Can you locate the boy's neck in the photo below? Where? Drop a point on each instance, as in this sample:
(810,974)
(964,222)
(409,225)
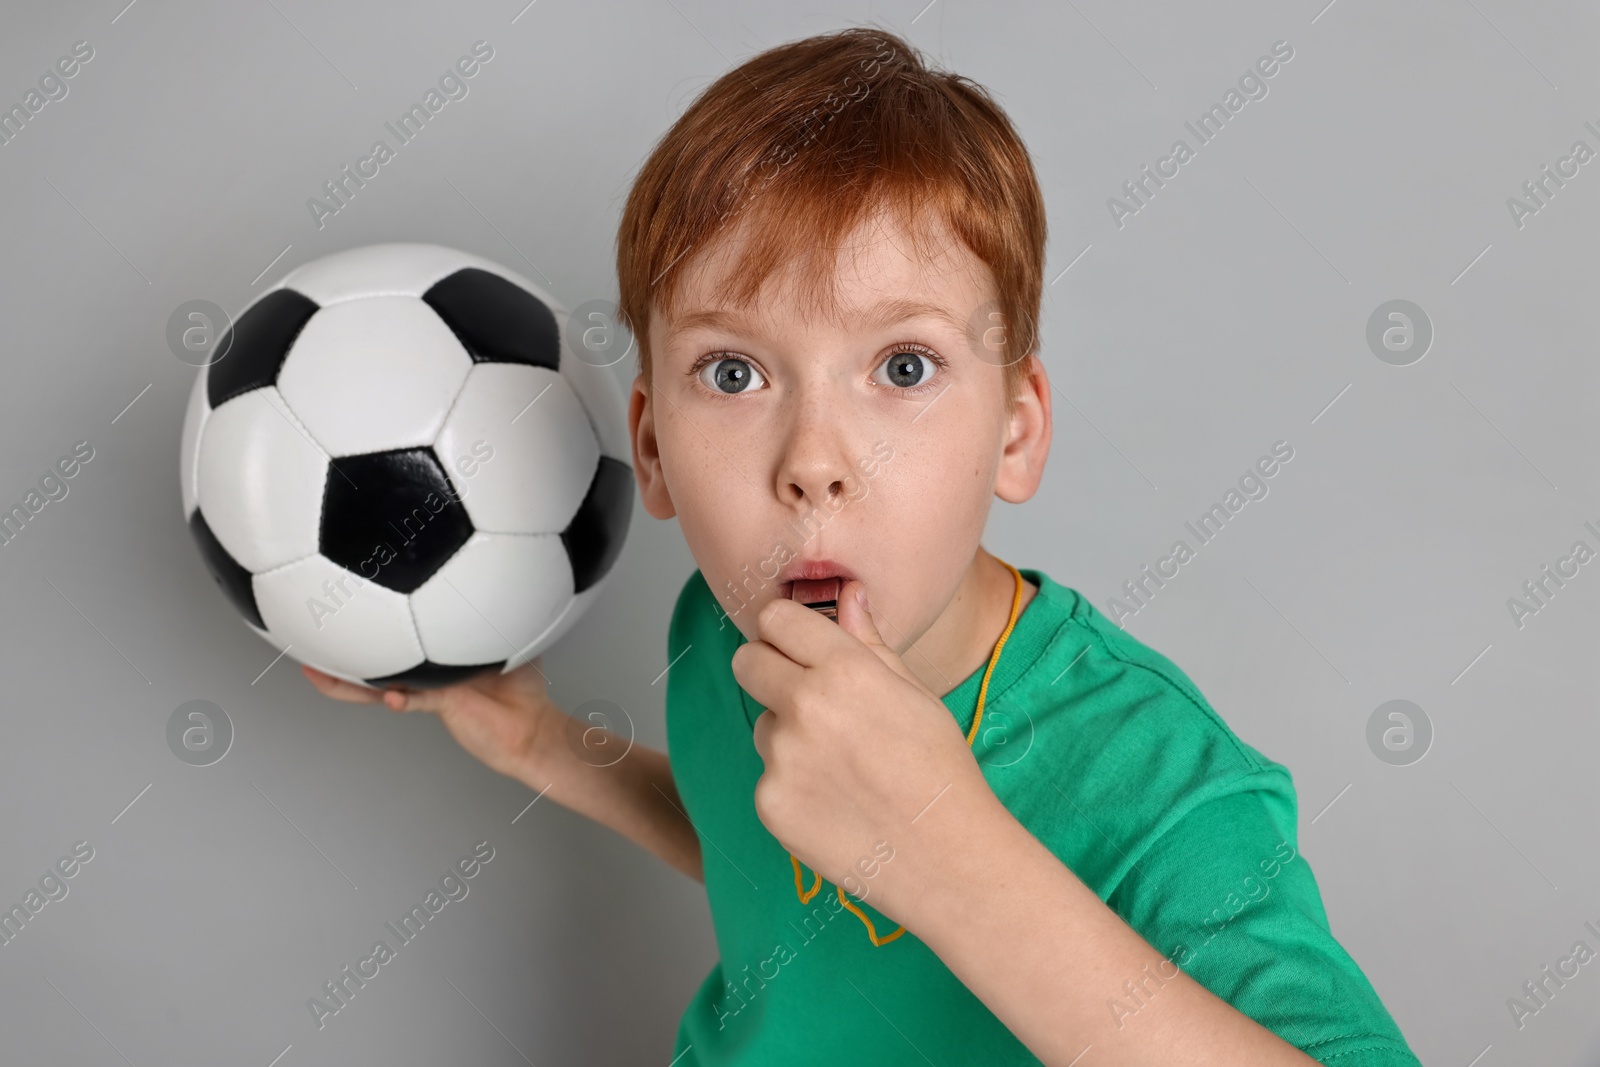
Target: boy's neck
(962,639)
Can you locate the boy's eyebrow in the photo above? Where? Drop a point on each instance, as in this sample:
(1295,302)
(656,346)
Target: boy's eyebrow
(883,314)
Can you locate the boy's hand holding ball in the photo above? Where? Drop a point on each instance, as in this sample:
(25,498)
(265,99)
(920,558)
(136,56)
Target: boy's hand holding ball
(506,720)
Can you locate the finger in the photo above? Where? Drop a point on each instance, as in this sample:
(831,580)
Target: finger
(759,733)
(799,632)
(764,672)
(339,689)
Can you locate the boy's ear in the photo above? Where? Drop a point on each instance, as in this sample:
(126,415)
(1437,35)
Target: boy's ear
(647,453)
(1027,437)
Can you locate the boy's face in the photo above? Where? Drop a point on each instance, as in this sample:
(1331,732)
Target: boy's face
(800,438)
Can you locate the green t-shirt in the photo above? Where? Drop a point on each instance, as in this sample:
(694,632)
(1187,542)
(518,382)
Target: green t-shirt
(1110,756)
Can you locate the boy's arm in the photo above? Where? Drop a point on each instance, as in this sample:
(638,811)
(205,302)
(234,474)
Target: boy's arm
(1047,956)
(509,723)
(634,796)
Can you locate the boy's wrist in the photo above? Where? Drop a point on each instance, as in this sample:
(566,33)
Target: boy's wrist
(634,796)
(554,765)
(548,758)
(950,869)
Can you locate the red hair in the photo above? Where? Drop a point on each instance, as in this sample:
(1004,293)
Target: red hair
(810,139)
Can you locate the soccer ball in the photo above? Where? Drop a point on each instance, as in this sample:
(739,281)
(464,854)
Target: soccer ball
(397,471)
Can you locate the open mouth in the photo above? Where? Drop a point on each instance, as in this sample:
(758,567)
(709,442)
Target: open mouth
(816,583)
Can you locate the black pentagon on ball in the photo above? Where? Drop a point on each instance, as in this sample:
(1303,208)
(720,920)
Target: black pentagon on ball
(392,517)
(431,675)
(230,575)
(594,536)
(496,320)
(254,348)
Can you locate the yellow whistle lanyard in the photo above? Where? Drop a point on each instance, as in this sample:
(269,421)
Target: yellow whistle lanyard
(805,895)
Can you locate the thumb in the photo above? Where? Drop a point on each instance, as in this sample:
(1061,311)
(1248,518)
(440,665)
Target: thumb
(402,698)
(855,617)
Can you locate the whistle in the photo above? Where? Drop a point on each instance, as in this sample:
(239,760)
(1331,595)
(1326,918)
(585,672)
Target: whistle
(821,596)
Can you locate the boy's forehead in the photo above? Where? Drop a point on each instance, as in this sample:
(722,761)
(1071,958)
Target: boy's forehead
(857,314)
(878,277)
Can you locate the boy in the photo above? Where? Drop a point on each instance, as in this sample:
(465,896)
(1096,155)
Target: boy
(1049,845)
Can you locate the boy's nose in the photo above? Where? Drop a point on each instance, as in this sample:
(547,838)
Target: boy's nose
(812,474)
(815,460)
(798,492)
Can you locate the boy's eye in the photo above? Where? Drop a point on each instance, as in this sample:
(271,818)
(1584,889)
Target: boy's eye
(730,375)
(908,367)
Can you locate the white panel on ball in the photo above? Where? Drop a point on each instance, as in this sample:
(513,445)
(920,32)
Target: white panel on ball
(260,480)
(374,375)
(278,646)
(575,610)
(497,593)
(194,420)
(543,462)
(330,615)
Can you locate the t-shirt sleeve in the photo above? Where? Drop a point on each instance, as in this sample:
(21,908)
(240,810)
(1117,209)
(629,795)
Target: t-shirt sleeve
(1224,894)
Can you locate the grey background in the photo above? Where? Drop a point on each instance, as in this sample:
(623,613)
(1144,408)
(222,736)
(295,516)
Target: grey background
(1227,314)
